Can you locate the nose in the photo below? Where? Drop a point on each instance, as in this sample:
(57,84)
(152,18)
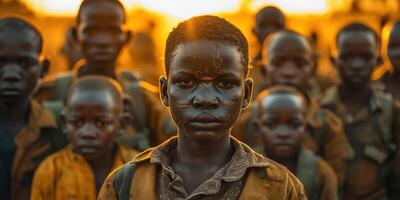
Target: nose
(89,131)
(289,70)
(357,64)
(11,72)
(205,97)
(103,39)
(282,133)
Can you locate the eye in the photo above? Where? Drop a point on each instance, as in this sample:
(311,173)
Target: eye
(103,123)
(296,124)
(75,122)
(185,83)
(27,63)
(269,124)
(225,84)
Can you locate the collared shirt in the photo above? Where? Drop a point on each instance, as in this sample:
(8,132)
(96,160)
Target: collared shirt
(247,175)
(226,183)
(67,175)
(32,145)
(367,169)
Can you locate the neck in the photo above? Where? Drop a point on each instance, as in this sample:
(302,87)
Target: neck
(212,154)
(104,69)
(347,94)
(10,114)
(104,162)
(289,162)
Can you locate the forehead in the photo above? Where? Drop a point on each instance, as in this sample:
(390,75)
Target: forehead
(84,98)
(13,42)
(190,56)
(282,43)
(351,39)
(270,16)
(102,12)
(275,102)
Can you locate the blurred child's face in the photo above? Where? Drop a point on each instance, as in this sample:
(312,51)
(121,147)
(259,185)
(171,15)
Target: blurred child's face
(206,89)
(289,61)
(393,49)
(100,32)
(282,124)
(268,22)
(20,68)
(92,120)
(357,58)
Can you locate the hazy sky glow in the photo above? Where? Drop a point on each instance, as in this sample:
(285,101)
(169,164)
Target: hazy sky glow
(185,8)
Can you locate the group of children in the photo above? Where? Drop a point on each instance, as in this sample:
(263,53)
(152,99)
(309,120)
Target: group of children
(71,137)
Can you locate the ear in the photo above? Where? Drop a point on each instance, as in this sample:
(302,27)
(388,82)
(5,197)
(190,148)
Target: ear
(74,33)
(129,35)
(264,70)
(44,68)
(333,61)
(379,61)
(164,91)
(253,30)
(63,119)
(248,90)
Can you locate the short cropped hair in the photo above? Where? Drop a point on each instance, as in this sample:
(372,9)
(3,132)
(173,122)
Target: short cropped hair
(358,27)
(96,83)
(18,24)
(86,3)
(282,90)
(206,27)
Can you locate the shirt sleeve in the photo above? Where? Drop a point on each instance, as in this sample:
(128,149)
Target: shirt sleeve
(107,191)
(328,181)
(43,187)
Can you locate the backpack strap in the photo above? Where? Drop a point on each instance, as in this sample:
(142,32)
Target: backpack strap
(306,172)
(123,180)
(61,85)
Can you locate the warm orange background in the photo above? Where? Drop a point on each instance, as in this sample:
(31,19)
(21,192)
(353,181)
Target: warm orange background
(322,17)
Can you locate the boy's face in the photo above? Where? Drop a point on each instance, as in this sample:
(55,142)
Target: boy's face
(20,68)
(101,33)
(206,89)
(92,120)
(282,124)
(393,49)
(289,61)
(357,57)
(268,22)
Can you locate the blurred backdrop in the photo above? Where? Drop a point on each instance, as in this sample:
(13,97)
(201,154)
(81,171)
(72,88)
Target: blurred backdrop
(153,19)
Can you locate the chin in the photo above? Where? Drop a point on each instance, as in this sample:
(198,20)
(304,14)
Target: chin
(205,137)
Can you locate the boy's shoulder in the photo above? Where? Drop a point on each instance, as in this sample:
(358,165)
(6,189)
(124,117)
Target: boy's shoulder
(54,161)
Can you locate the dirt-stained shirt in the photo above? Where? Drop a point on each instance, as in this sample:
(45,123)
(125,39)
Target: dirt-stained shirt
(247,175)
(32,144)
(371,134)
(67,175)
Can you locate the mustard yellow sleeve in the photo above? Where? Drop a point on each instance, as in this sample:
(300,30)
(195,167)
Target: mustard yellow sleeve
(44,180)
(295,188)
(328,186)
(107,191)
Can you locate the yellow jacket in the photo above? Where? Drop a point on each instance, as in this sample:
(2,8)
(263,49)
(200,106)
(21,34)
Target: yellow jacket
(67,175)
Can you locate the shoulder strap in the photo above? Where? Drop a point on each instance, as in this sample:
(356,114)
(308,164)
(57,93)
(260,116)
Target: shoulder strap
(319,133)
(123,180)
(61,86)
(306,172)
(386,119)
